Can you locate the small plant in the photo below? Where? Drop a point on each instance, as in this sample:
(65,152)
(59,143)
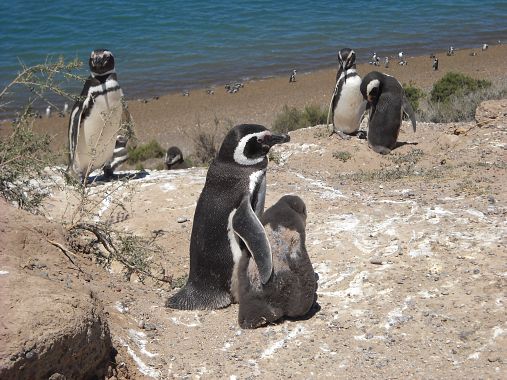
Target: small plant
(343,156)
(291,118)
(315,115)
(414,95)
(145,152)
(456,84)
(207,141)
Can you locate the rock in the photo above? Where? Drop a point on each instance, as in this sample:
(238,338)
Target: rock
(182,219)
(48,330)
(491,112)
(460,131)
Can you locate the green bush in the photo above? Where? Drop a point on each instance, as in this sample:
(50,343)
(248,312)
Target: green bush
(291,118)
(145,152)
(343,156)
(414,94)
(456,84)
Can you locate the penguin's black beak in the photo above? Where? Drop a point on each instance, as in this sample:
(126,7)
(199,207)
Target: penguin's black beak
(273,139)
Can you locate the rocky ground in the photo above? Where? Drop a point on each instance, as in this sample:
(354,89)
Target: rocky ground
(409,248)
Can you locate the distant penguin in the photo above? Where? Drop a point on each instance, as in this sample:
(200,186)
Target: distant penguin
(226,220)
(65,108)
(292,77)
(435,64)
(173,159)
(95,120)
(291,290)
(347,105)
(386,62)
(386,104)
(48,111)
(484,47)
(120,155)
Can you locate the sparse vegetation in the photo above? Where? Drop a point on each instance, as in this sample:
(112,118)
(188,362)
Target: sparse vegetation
(23,157)
(25,154)
(453,98)
(207,142)
(144,152)
(414,95)
(456,84)
(343,156)
(291,118)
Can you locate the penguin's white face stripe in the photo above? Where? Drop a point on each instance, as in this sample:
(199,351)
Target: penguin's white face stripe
(239,155)
(373,84)
(174,160)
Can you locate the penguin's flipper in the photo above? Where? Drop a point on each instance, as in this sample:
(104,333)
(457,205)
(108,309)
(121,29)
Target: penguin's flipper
(407,108)
(332,105)
(250,230)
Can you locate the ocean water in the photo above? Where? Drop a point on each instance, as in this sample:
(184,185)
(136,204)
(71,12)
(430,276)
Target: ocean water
(167,46)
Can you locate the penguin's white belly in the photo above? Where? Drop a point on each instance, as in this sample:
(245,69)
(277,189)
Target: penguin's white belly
(97,134)
(350,106)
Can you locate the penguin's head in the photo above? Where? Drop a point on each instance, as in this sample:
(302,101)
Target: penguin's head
(173,156)
(371,87)
(248,144)
(346,58)
(101,62)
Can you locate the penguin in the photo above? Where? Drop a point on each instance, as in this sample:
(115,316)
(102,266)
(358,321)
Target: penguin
(95,120)
(386,62)
(484,47)
(226,219)
(386,104)
(65,108)
(291,290)
(347,105)
(174,159)
(292,77)
(120,155)
(48,111)
(435,64)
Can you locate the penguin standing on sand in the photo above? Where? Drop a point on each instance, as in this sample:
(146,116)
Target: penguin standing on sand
(292,77)
(386,103)
(435,64)
(291,290)
(226,220)
(95,120)
(347,105)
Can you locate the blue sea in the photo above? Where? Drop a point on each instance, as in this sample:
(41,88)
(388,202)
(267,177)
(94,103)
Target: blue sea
(166,46)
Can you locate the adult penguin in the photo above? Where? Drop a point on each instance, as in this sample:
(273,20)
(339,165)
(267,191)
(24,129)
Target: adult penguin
(386,103)
(226,220)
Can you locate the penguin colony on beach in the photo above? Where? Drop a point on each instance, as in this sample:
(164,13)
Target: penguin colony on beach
(291,290)
(347,105)
(226,220)
(95,120)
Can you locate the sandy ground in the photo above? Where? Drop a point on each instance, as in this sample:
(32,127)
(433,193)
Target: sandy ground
(409,249)
(173,117)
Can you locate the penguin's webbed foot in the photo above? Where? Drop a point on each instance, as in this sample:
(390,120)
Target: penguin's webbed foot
(341,135)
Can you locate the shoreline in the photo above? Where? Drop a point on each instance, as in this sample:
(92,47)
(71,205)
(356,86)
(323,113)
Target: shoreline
(170,118)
